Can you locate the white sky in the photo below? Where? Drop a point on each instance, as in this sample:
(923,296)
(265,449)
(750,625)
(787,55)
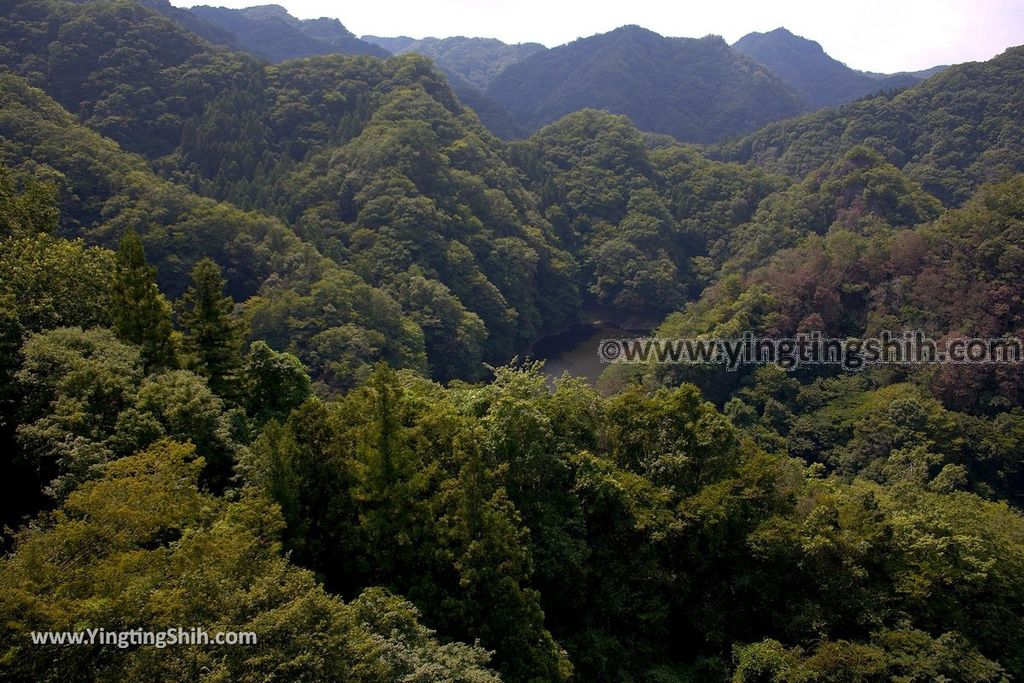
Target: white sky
(873,35)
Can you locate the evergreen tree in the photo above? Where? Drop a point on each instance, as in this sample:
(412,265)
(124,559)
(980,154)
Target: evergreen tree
(213,337)
(141,315)
(394,484)
(490,551)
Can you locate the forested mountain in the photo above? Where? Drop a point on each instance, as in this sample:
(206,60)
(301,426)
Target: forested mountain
(478,60)
(377,166)
(638,221)
(268,31)
(210,32)
(470,64)
(960,128)
(695,90)
(688,94)
(299,122)
(259,329)
(820,79)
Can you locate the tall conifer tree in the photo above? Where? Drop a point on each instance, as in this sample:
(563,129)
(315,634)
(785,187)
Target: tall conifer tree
(214,338)
(141,315)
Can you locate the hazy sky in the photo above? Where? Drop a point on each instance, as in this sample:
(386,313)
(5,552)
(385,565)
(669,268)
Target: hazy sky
(874,35)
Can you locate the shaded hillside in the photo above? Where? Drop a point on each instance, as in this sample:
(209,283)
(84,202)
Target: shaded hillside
(638,221)
(108,63)
(211,32)
(960,128)
(377,161)
(388,202)
(477,60)
(270,32)
(289,404)
(696,90)
(820,79)
(492,114)
(104,192)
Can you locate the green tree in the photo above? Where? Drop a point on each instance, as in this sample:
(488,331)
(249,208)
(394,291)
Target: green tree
(151,550)
(303,465)
(213,337)
(28,206)
(74,384)
(140,313)
(275,383)
(179,405)
(56,283)
(489,548)
(393,483)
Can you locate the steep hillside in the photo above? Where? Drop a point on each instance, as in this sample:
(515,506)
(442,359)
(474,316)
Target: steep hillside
(270,32)
(477,60)
(211,32)
(696,90)
(960,128)
(375,163)
(820,79)
(104,192)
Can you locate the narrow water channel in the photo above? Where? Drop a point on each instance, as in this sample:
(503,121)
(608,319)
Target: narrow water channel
(575,350)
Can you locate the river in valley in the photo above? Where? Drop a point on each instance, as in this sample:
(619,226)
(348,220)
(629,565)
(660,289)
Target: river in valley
(574,350)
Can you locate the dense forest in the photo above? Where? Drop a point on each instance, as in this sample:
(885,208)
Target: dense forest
(821,80)
(270,33)
(697,91)
(265,333)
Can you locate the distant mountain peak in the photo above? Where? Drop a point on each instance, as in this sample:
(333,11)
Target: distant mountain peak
(783,36)
(263,11)
(631,28)
(803,63)
(474,60)
(269,31)
(696,89)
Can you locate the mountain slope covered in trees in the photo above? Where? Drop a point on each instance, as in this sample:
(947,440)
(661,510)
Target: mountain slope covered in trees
(478,60)
(820,79)
(694,90)
(960,128)
(258,336)
(377,166)
(268,31)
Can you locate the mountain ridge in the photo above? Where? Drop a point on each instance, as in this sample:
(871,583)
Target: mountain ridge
(695,89)
(478,60)
(270,32)
(821,79)
(935,135)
